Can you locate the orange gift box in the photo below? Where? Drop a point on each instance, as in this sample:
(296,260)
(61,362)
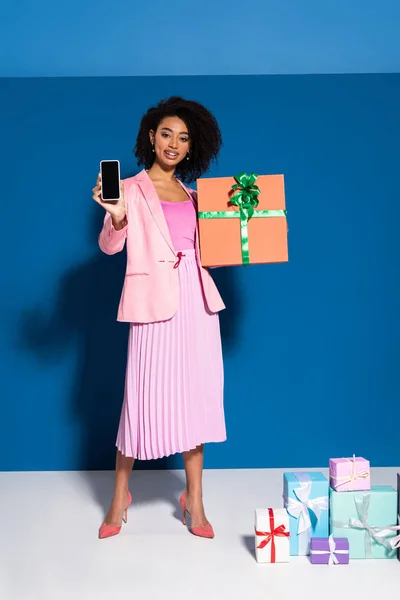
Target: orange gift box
(242,220)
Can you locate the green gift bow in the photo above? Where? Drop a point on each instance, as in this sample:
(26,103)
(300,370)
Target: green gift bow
(247,200)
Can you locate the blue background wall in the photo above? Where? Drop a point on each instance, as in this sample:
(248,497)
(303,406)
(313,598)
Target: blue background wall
(311,347)
(187,37)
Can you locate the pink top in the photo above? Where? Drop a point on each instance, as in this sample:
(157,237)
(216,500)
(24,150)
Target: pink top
(181,220)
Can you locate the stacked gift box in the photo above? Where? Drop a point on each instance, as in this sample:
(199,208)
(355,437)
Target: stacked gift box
(365,514)
(332,522)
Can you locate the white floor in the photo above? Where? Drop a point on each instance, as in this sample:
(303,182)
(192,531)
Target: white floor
(49,549)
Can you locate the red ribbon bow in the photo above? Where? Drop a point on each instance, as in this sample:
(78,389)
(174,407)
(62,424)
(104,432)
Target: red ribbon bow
(270,535)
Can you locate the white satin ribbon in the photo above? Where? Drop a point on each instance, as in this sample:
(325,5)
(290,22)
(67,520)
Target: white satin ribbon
(333,559)
(363,474)
(299,509)
(395,542)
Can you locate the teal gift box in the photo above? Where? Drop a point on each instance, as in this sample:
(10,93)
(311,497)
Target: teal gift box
(306,500)
(367,519)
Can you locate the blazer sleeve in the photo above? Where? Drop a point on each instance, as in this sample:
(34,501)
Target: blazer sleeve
(112,241)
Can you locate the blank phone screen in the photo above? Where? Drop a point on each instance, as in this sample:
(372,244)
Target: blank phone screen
(109,180)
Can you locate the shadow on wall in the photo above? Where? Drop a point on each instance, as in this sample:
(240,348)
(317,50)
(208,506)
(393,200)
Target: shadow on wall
(85,310)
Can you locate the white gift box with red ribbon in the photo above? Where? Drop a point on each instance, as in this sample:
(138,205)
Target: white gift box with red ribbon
(272,535)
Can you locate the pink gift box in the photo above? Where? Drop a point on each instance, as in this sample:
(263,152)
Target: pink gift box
(349,474)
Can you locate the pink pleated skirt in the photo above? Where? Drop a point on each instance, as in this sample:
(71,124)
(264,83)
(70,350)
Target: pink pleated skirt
(174,383)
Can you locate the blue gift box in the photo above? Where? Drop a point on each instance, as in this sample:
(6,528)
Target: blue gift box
(306,500)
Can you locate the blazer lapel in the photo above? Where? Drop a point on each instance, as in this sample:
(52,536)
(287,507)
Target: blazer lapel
(154,204)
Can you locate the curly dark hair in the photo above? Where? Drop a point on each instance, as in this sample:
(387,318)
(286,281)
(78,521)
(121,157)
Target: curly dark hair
(204,133)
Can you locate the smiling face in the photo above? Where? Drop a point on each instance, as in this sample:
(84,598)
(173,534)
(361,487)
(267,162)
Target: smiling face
(171,142)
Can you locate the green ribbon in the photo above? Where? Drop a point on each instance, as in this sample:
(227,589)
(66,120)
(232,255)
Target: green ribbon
(246,199)
(247,196)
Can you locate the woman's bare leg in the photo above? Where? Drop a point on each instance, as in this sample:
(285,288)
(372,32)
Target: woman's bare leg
(193,460)
(123,469)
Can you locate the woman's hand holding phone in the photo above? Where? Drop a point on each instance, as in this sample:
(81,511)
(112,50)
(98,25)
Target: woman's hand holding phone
(117,209)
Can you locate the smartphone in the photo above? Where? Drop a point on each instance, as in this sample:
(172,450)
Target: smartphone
(110,180)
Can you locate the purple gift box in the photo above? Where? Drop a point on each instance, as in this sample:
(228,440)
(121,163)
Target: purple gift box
(329,551)
(349,474)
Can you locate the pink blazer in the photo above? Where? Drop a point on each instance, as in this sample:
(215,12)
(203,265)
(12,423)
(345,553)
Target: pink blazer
(151,287)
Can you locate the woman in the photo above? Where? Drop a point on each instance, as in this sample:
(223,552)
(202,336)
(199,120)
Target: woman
(173,398)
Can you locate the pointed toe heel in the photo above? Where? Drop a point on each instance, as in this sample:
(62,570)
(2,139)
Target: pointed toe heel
(206,531)
(107,531)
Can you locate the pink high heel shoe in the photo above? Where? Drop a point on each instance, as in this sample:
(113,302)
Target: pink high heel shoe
(205,531)
(106,531)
